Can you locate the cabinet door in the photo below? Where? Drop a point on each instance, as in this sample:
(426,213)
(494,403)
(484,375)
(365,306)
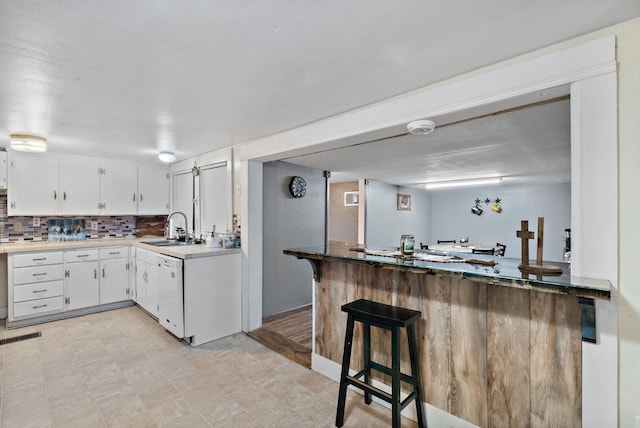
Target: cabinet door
(79,186)
(114,280)
(140,281)
(81,285)
(118,188)
(153,190)
(152,287)
(182,200)
(33,185)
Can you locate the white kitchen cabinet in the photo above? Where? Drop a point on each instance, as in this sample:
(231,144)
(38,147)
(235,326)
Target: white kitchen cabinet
(3,170)
(81,281)
(147,280)
(33,185)
(79,184)
(153,190)
(118,188)
(35,283)
(211,297)
(114,275)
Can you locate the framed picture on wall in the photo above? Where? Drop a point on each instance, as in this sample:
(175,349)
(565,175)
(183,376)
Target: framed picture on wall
(404,202)
(350,199)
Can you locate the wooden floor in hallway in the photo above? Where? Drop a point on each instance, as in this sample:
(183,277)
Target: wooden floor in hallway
(289,333)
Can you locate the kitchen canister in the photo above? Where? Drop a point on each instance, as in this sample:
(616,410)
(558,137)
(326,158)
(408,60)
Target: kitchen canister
(407,243)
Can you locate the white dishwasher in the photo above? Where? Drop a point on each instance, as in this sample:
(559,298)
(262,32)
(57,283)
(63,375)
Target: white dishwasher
(170,295)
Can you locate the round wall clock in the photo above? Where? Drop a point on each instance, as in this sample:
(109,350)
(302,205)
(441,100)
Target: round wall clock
(297,187)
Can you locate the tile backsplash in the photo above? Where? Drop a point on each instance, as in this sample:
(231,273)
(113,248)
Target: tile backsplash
(21,228)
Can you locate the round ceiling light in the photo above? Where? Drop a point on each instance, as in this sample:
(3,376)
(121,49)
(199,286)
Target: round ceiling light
(167,157)
(421,127)
(28,143)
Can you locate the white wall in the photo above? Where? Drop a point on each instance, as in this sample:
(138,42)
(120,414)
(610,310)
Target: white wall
(451,216)
(385,224)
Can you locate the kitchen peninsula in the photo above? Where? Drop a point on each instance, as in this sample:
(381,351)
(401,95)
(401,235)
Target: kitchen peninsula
(496,349)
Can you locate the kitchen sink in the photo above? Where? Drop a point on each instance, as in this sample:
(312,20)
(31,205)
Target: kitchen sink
(166,243)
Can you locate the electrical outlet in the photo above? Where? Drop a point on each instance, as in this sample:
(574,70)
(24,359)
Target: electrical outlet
(94,225)
(36,222)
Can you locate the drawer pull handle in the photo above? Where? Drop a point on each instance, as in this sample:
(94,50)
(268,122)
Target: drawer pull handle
(39,259)
(41,306)
(114,253)
(82,255)
(40,274)
(39,291)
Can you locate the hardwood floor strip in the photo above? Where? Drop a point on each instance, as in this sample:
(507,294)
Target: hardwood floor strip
(287,347)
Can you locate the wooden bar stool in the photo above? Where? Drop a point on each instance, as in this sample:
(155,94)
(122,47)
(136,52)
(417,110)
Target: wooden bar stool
(390,318)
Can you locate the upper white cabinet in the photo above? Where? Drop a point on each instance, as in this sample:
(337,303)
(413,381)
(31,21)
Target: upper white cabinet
(153,190)
(118,188)
(79,186)
(3,170)
(44,184)
(33,185)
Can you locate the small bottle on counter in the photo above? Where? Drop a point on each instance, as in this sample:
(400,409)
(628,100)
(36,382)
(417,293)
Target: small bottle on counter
(407,243)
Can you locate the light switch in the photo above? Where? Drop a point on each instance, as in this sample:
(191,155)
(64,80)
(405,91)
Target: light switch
(17,226)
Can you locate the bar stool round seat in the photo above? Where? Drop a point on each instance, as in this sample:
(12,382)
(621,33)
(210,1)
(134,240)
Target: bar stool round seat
(391,318)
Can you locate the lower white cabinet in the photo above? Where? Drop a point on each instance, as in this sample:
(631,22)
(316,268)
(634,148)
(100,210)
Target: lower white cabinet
(35,284)
(46,283)
(81,282)
(147,280)
(114,275)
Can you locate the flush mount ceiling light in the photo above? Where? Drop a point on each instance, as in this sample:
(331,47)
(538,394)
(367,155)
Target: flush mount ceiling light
(421,127)
(167,157)
(28,143)
(460,183)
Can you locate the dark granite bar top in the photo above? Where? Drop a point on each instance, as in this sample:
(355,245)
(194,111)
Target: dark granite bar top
(504,273)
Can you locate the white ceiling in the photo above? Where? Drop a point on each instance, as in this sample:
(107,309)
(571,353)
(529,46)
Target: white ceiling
(125,79)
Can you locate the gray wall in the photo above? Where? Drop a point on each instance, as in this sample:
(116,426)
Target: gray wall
(385,224)
(343,220)
(451,216)
(289,223)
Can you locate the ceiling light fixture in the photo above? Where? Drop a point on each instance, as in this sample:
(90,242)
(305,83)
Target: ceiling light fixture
(28,143)
(421,127)
(460,183)
(167,157)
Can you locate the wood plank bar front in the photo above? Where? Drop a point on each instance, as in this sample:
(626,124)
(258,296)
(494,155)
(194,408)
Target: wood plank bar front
(493,356)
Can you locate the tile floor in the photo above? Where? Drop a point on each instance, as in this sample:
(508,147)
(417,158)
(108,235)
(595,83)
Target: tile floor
(121,369)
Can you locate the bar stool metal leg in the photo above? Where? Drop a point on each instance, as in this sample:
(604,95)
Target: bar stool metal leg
(346,358)
(415,374)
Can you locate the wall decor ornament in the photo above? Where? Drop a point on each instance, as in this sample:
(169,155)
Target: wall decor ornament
(404,202)
(496,207)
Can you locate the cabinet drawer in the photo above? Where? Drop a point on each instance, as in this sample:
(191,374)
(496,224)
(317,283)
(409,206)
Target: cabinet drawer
(36,259)
(42,290)
(81,255)
(36,307)
(114,253)
(37,274)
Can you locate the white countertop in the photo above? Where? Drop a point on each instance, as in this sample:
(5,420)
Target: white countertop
(179,251)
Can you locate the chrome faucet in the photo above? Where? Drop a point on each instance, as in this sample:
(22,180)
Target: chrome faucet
(186,224)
